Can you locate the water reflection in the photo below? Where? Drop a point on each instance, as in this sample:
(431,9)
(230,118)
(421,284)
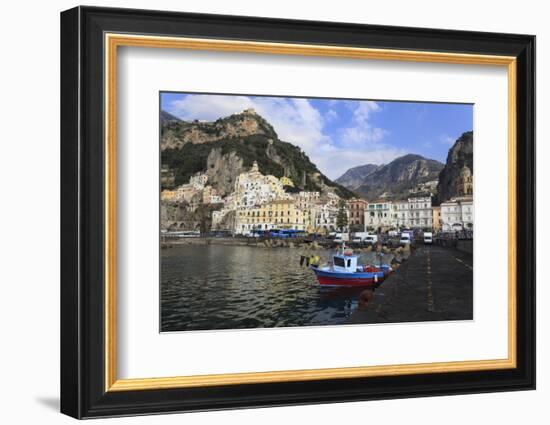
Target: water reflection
(234,287)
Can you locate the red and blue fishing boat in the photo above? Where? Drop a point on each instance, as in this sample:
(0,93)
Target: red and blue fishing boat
(344,270)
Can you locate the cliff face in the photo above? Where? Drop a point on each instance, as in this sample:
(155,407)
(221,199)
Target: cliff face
(459,156)
(177,216)
(223,170)
(355,177)
(175,134)
(228,146)
(397,177)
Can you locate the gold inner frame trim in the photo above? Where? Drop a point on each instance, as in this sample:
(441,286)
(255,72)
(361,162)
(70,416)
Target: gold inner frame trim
(113,41)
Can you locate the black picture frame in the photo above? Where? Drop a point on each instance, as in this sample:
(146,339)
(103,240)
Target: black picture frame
(83,392)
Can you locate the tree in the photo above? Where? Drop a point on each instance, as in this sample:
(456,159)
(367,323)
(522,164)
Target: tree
(342,217)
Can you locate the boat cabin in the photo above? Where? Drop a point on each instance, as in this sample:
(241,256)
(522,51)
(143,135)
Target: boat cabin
(345,263)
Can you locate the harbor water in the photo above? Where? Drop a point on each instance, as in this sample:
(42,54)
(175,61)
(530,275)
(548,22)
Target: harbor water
(206,287)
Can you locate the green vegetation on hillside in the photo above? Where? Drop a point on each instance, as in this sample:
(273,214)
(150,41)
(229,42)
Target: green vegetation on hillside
(270,155)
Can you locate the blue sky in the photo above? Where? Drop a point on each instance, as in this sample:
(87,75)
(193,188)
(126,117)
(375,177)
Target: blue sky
(340,134)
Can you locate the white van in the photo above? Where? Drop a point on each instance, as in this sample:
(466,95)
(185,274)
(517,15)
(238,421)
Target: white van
(428,238)
(371,239)
(405,239)
(359,237)
(341,237)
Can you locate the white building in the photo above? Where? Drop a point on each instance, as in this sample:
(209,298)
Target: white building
(420,212)
(457,214)
(326,217)
(400,213)
(379,214)
(253,188)
(415,212)
(198,181)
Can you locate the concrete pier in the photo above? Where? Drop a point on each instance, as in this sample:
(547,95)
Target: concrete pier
(435,283)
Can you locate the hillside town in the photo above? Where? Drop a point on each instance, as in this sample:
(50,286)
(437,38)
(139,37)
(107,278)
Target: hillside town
(262,203)
(266,229)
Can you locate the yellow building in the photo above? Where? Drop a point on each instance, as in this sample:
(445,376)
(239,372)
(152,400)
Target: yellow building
(436,218)
(285,181)
(279,214)
(168,195)
(465,185)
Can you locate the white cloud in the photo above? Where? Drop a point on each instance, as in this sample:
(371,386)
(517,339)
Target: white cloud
(446,139)
(334,161)
(294,120)
(362,131)
(298,122)
(331,115)
(363,111)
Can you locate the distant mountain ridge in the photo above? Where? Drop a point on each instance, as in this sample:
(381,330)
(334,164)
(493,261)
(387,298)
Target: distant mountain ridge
(394,179)
(354,177)
(228,146)
(166,117)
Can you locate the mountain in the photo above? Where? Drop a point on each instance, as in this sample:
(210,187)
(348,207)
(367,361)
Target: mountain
(354,177)
(460,155)
(166,117)
(394,180)
(228,146)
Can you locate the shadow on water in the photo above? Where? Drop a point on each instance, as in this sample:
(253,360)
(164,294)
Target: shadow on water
(235,287)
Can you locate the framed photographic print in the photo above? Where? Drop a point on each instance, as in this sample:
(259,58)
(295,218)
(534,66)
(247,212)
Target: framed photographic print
(261,212)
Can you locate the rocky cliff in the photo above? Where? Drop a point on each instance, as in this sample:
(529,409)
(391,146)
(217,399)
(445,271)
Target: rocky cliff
(354,177)
(228,146)
(460,155)
(175,134)
(394,179)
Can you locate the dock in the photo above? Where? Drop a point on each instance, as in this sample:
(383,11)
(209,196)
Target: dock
(435,283)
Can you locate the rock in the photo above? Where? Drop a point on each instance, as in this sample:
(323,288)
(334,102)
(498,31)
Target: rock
(459,160)
(397,259)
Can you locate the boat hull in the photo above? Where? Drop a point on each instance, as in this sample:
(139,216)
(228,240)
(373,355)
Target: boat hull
(330,278)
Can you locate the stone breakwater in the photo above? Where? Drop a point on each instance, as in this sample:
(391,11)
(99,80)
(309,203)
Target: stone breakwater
(374,253)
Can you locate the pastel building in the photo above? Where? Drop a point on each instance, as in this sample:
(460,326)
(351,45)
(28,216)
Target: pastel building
(278,214)
(457,214)
(379,214)
(356,208)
